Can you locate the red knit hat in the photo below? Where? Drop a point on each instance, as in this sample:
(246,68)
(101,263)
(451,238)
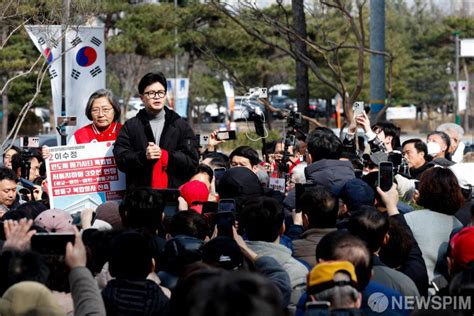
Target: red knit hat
(194,191)
(462,247)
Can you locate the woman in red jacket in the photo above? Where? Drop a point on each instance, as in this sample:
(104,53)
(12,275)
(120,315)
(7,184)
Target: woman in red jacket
(104,112)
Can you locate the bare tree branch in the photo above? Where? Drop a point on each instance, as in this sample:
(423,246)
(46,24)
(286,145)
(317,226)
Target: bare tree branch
(5,86)
(12,135)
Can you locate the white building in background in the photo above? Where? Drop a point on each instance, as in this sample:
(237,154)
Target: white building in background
(462,7)
(450,7)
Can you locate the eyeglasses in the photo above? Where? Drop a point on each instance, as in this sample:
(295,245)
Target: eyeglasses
(104,110)
(154,94)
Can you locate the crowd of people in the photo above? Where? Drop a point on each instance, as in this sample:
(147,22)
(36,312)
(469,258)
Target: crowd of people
(331,242)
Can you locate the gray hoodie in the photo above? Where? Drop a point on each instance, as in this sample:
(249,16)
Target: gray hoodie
(295,269)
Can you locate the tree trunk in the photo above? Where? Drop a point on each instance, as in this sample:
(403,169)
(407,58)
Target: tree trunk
(5,113)
(268,114)
(299,23)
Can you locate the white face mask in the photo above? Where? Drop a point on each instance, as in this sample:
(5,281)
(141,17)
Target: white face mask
(433,148)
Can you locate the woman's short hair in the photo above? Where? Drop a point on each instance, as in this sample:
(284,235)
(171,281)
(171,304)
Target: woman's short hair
(110,97)
(440,191)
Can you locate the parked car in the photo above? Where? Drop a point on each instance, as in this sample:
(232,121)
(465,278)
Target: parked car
(317,108)
(134,105)
(211,112)
(283,103)
(214,113)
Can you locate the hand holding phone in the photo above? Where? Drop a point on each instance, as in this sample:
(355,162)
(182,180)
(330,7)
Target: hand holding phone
(358,108)
(385,175)
(225,222)
(226,205)
(226,135)
(51,243)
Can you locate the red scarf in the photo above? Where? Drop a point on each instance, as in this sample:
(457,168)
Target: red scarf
(90,133)
(159,178)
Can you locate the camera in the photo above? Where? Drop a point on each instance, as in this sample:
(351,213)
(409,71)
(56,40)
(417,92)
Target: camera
(26,143)
(294,120)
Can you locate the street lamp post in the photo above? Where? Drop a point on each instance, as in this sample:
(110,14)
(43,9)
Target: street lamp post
(457,118)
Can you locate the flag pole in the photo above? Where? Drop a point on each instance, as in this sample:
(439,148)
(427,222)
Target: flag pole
(64,22)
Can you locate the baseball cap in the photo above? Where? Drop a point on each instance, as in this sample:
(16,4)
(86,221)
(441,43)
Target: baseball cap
(376,157)
(194,191)
(239,181)
(29,298)
(322,276)
(224,252)
(55,221)
(355,193)
(462,247)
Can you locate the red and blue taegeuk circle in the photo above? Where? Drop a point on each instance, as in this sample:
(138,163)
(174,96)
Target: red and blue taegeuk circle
(86,56)
(48,54)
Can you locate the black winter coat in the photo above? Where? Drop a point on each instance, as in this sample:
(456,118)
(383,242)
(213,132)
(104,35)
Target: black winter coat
(177,138)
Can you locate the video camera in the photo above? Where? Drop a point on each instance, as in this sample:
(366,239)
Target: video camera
(295,123)
(400,165)
(294,120)
(26,143)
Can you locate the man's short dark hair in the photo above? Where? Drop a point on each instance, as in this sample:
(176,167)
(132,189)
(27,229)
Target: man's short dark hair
(398,248)
(246,152)
(218,160)
(257,296)
(203,168)
(369,225)
(321,207)
(130,256)
(7,174)
(15,148)
(419,145)
(324,144)
(389,129)
(262,219)
(142,208)
(188,223)
(342,245)
(149,79)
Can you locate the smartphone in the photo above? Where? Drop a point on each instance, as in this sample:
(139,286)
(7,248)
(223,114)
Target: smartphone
(170,197)
(417,185)
(208,207)
(224,222)
(203,140)
(226,135)
(385,175)
(226,205)
(358,108)
(218,173)
(30,142)
(51,243)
